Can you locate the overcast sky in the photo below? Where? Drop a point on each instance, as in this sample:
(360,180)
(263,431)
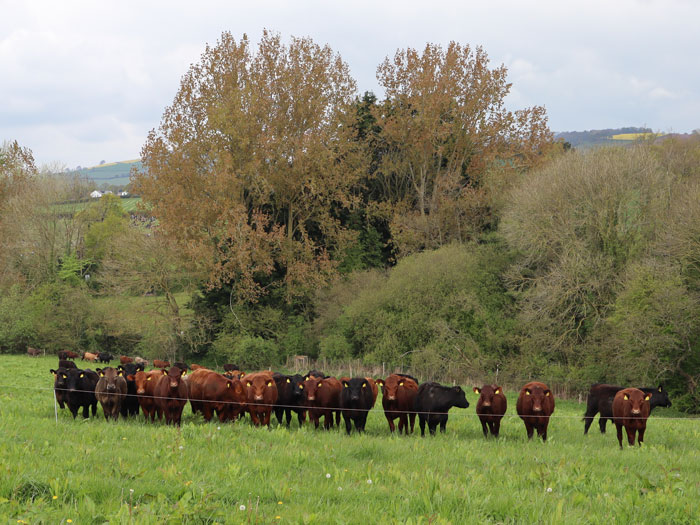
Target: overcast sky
(84,81)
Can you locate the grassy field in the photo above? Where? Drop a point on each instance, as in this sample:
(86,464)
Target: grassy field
(116,173)
(128,204)
(75,471)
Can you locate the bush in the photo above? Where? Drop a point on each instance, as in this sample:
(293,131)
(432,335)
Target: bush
(249,352)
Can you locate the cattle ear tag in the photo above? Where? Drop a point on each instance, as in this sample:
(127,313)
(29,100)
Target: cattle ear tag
(345,384)
(289,380)
(320,385)
(364,385)
(65,376)
(82,375)
(401,383)
(228,385)
(647,397)
(101,375)
(248,383)
(476,390)
(119,374)
(148,378)
(242,374)
(164,372)
(527,392)
(301,387)
(269,383)
(626,397)
(659,389)
(546,394)
(498,391)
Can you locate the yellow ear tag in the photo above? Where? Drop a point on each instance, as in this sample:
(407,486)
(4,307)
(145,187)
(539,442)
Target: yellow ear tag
(148,378)
(477,391)
(101,375)
(401,383)
(269,383)
(301,387)
(249,383)
(364,385)
(65,376)
(119,374)
(320,385)
(527,392)
(498,391)
(228,385)
(82,375)
(647,397)
(289,380)
(659,389)
(546,394)
(626,397)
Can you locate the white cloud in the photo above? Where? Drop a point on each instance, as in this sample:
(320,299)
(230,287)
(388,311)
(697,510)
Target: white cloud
(84,81)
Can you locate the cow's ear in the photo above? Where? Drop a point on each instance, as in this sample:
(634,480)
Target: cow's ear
(320,383)
(477,390)
(120,367)
(165,372)
(242,374)
(53,371)
(149,378)
(497,391)
(183,372)
(98,370)
(547,393)
(401,383)
(380,382)
(270,382)
(248,384)
(660,388)
(228,384)
(120,373)
(626,397)
(647,397)
(364,385)
(346,385)
(527,391)
(306,377)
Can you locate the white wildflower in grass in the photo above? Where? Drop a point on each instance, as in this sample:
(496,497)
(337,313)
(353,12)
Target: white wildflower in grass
(242,507)
(328,475)
(549,489)
(340,488)
(369,482)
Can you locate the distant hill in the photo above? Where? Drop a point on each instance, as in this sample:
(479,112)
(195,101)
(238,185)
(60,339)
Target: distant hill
(115,173)
(601,137)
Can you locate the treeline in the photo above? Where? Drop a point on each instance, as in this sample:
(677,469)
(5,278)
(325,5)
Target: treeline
(433,230)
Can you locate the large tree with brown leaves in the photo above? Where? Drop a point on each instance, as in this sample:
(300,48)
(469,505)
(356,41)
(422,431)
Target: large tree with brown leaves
(444,124)
(252,162)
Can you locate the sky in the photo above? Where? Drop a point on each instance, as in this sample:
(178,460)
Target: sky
(85,81)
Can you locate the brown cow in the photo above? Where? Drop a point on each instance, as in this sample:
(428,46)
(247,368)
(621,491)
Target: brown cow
(212,392)
(140,361)
(33,352)
(67,354)
(535,405)
(88,356)
(398,399)
(146,383)
(171,394)
(630,410)
(157,363)
(490,407)
(375,389)
(323,398)
(110,391)
(195,366)
(125,360)
(261,395)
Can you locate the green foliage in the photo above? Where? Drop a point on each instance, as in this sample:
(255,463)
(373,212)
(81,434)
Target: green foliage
(250,352)
(203,473)
(446,307)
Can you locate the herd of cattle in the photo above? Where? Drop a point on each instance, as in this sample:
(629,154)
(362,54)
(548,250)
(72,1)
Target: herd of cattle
(164,391)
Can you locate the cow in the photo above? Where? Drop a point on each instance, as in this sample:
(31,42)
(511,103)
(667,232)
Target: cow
(211,392)
(89,356)
(600,399)
(181,365)
(229,367)
(432,403)
(398,400)
(80,391)
(125,359)
(34,352)
(110,391)
(63,355)
(130,405)
(104,357)
(59,384)
(375,390)
(69,354)
(261,395)
(171,394)
(490,407)
(234,374)
(140,361)
(64,363)
(289,398)
(195,366)
(356,400)
(322,399)
(145,383)
(157,363)
(631,409)
(316,374)
(534,406)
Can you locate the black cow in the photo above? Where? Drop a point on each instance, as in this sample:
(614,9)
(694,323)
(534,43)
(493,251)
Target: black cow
(80,391)
(59,384)
(432,403)
(64,363)
(104,357)
(289,398)
(181,365)
(356,400)
(600,399)
(316,373)
(130,405)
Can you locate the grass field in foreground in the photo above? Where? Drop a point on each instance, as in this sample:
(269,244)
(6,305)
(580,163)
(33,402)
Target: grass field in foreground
(132,472)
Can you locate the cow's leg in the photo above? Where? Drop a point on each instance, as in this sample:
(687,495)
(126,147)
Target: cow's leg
(602,422)
(631,431)
(348,423)
(443,425)
(496,427)
(591,411)
(640,435)
(412,419)
(484,428)
(392,427)
(288,414)
(619,433)
(529,428)
(421,423)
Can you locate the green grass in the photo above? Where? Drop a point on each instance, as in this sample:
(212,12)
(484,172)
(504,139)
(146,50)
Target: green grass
(116,173)
(86,471)
(128,204)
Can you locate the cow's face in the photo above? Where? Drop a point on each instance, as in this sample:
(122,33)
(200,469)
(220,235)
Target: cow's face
(174,375)
(257,386)
(636,399)
(391,386)
(60,378)
(537,397)
(141,379)
(487,393)
(355,388)
(110,376)
(74,379)
(659,397)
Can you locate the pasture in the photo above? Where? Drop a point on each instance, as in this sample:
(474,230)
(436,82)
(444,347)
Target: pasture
(91,471)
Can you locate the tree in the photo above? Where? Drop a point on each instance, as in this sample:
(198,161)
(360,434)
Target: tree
(252,162)
(443,124)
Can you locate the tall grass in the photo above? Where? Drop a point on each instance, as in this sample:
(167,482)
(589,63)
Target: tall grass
(131,472)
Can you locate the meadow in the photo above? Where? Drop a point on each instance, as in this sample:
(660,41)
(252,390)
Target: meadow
(128,204)
(75,471)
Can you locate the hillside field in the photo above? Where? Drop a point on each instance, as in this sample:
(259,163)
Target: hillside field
(75,471)
(128,205)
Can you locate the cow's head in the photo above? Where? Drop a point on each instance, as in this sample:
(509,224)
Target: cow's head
(487,393)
